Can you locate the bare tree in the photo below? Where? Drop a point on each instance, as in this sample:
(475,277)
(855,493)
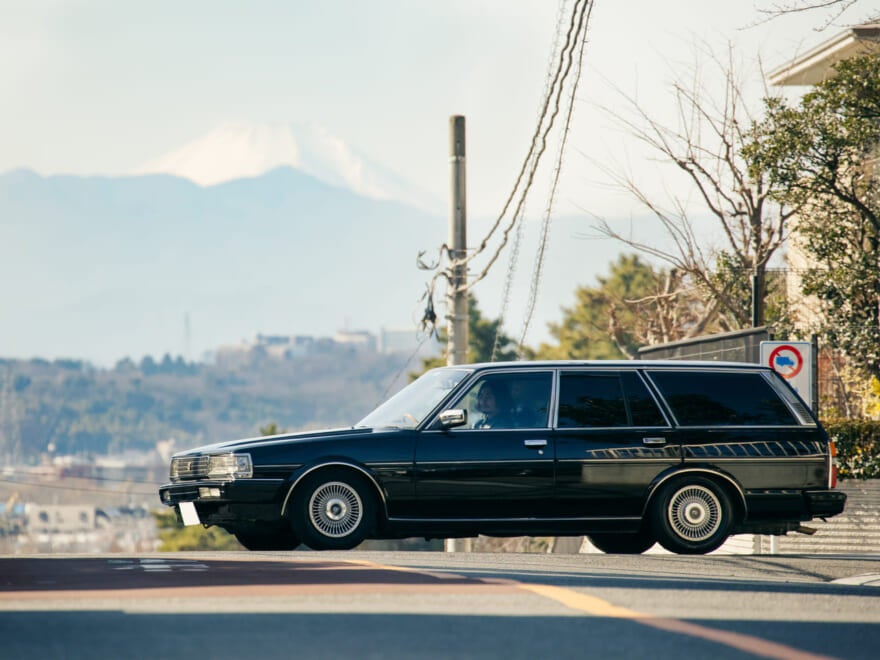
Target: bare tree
(664,315)
(705,147)
(833,9)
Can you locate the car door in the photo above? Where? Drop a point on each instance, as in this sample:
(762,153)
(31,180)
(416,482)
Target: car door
(612,440)
(501,470)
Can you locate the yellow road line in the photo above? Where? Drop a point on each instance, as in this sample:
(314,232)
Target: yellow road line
(404,569)
(599,607)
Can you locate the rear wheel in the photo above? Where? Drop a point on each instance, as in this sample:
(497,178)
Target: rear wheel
(691,515)
(622,544)
(333,510)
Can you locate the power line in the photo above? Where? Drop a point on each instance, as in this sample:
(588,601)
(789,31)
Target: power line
(536,151)
(513,260)
(545,225)
(549,110)
(574,40)
(408,361)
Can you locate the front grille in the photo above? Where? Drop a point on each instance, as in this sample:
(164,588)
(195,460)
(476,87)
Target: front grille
(186,468)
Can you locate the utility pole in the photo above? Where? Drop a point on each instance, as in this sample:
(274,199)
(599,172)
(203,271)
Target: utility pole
(456,296)
(758,283)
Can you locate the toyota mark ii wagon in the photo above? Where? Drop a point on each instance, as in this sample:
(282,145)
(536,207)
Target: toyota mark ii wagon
(628,453)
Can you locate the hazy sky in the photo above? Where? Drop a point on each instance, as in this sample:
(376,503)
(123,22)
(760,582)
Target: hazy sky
(103,86)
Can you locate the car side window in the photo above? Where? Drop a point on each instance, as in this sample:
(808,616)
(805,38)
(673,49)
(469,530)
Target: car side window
(721,398)
(531,399)
(606,399)
(508,401)
(591,399)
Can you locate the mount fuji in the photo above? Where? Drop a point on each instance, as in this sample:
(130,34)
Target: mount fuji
(246,150)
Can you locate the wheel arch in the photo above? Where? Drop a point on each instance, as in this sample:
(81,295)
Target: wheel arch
(730,485)
(352,467)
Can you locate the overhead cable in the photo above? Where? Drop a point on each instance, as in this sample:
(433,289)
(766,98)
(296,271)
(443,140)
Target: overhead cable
(574,40)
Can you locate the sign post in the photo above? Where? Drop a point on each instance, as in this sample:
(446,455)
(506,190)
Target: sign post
(793,360)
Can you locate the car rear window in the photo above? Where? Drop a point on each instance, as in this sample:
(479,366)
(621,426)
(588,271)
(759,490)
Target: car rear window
(722,398)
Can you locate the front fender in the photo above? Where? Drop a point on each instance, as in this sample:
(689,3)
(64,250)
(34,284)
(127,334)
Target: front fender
(332,462)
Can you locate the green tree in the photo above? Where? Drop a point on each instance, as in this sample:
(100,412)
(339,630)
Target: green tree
(634,305)
(96,411)
(821,155)
(481,340)
(272,428)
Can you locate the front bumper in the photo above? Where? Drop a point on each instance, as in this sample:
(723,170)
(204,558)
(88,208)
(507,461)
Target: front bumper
(228,503)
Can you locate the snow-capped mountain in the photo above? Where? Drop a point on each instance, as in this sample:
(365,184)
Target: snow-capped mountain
(244,150)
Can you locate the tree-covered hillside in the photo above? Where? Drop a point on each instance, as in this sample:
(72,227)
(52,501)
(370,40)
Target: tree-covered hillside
(70,407)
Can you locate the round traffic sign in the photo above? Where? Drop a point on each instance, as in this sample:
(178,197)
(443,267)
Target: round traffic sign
(787,361)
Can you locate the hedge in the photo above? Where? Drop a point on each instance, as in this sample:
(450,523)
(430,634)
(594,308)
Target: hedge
(858,447)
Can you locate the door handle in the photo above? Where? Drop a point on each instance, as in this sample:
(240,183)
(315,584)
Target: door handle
(535,444)
(653,441)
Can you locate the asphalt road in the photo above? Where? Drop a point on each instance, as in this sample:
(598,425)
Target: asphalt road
(436,605)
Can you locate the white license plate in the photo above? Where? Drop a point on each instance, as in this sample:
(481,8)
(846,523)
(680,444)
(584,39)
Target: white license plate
(189,514)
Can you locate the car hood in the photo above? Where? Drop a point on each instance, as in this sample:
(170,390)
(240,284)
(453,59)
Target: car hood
(283,438)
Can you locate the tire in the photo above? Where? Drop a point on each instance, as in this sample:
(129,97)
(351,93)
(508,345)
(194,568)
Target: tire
(255,538)
(622,544)
(333,510)
(691,516)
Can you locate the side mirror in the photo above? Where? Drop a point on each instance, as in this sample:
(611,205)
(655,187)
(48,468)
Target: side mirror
(452,418)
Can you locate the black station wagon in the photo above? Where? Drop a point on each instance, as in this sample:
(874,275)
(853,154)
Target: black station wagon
(627,453)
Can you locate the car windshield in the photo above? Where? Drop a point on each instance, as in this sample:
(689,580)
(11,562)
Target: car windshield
(409,407)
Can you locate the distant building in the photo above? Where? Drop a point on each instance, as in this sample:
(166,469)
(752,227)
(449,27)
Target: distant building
(817,64)
(291,347)
(811,68)
(59,518)
(360,339)
(285,347)
(279,347)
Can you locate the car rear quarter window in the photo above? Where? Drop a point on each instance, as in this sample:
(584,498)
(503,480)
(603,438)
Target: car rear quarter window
(722,398)
(606,399)
(642,406)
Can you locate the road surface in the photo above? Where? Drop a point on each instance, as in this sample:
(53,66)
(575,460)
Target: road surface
(437,605)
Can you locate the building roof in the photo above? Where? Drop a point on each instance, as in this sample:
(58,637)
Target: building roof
(816,65)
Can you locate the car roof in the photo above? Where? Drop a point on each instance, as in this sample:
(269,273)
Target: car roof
(632,364)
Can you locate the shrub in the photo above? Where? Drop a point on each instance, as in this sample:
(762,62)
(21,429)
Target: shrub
(858,447)
(175,537)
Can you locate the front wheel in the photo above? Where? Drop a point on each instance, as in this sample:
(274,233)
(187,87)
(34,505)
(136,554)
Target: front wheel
(622,544)
(691,516)
(333,510)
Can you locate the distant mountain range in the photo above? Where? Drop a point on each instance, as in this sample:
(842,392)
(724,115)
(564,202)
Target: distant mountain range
(100,268)
(237,150)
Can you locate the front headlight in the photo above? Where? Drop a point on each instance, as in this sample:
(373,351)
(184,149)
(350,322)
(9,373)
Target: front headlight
(230,466)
